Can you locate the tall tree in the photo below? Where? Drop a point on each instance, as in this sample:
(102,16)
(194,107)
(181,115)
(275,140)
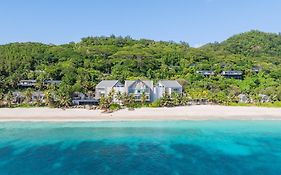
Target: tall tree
(9,98)
(28,95)
(143,98)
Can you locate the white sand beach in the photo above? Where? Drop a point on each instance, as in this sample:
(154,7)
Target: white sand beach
(207,112)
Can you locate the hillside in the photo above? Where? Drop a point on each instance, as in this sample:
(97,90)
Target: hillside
(82,65)
(252,43)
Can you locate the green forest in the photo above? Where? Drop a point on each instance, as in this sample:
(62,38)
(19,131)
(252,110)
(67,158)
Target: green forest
(80,66)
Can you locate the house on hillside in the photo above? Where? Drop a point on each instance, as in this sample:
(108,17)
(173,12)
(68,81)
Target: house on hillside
(32,83)
(18,98)
(205,73)
(166,86)
(27,83)
(256,69)
(242,98)
(264,98)
(79,98)
(233,74)
(52,82)
(139,87)
(38,96)
(106,86)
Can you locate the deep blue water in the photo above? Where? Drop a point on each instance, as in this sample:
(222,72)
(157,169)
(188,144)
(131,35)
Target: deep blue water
(172,148)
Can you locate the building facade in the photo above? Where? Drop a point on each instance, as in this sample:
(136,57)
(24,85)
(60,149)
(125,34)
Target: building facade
(205,73)
(138,88)
(106,86)
(233,74)
(166,87)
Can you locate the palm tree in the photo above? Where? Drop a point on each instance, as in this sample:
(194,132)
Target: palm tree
(110,96)
(120,97)
(143,98)
(165,101)
(28,95)
(90,94)
(104,103)
(131,99)
(220,97)
(38,100)
(2,96)
(64,98)
(49,98)
(176,99)
(64,95)
(124,99)
(185,99)
(39,83)
(9,98)
(128,100)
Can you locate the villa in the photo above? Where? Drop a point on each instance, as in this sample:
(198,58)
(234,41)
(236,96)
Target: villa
(37,96)
(205,73)
(106,86)
(18,98)
(233,74)
(79,98)
(27,83)
(256,69)
(136,88)
(139,87)
(243,98)
(264,98)
(32,83)
(166,86)
(52,82)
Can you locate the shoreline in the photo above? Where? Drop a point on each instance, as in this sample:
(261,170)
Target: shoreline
(204,112)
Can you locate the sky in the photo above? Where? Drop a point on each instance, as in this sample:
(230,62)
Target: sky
(194,21)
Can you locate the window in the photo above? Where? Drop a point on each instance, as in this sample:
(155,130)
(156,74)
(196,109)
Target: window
(176,90)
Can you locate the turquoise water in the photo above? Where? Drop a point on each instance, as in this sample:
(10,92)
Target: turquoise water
(171,147)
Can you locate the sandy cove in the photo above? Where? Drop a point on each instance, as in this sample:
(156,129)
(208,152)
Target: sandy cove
(207,112)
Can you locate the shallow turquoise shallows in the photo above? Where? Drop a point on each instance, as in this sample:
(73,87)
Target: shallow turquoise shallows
(113,148)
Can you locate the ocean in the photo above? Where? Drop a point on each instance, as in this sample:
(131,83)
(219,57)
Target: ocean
(141,148)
